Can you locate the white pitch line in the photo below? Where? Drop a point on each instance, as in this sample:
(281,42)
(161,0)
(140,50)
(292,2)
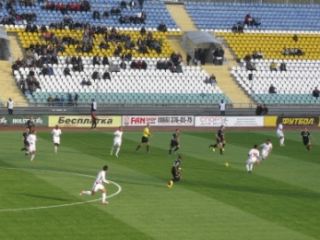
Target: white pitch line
(60,205)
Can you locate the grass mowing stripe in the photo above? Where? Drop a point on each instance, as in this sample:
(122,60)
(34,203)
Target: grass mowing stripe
(136,164)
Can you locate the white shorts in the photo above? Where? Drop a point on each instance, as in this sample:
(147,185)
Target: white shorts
(97,187)
(56,140)
(264,154)
(117,143)
(32,148)
(280,134)
(252,160)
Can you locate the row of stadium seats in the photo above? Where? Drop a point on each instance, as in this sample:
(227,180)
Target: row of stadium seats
(127,86)
(156,13)
(272,16)
(272,45)
(293,86)
(29,38)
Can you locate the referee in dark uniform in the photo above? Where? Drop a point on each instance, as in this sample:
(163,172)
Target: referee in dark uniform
(305,134)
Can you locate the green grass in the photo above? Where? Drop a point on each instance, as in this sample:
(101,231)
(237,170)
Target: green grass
(279,201)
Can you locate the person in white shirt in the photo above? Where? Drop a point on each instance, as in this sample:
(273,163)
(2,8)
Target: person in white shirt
(266,149)
(98,185)
(32,140)
(280,134)
(10,105)
(56,133)
(222,107)
(253,158)
(117,141)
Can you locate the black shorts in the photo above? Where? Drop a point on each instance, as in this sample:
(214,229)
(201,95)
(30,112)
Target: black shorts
(174,143)
(144,139)
(306,142)
(26,143)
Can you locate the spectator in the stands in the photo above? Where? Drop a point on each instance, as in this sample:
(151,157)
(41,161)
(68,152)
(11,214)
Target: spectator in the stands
(295,38)
(96,15)
(143,31)
(123,65)
(162,27)
(257,55)
(188,59)
(96,60)
(272,89)
(248,20)
(222,107)
(273,66)
(141,2)
(315,92)
(76,99)
(105,60)
(283,67)
(50,100)
(95,75)
(70,99)
(66,71)
(259,110)
(211,80)
(56,101)
(85,82)
(106,75)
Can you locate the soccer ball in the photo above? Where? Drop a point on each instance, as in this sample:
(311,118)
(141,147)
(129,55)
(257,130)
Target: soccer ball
(170,184)
(226,164)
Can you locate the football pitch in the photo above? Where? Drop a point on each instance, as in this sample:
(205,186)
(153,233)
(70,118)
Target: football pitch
(280,200)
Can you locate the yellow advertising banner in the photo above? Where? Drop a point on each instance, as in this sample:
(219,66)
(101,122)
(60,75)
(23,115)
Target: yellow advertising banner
(270,121)
(84,121)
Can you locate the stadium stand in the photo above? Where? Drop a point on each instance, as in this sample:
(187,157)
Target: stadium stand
(113,13)
(292,86)
(269,16)
(151,85)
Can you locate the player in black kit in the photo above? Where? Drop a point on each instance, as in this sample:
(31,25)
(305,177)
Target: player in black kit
(306,139)
(175,141)
(25,142)
(220,141)
(175,171)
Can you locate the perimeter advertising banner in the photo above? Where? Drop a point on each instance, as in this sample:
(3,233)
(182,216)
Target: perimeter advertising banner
(216,121)
(158,120)
(20,120)
(298,121)
(84,121)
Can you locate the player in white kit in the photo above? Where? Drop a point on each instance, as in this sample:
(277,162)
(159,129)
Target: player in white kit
(98,185)
(280,134)
(56,133)
(117,141)
(254,158)
(32,140)
(266,149)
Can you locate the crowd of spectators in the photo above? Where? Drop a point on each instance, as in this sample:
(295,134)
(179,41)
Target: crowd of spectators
(83,5)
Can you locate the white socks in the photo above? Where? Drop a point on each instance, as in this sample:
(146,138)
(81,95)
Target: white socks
(282,141)
(117,151)
(249,167)
(32,156)
(104,197)
(55,149)
(86,193)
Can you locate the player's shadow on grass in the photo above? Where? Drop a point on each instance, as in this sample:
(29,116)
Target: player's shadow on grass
(45,197)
